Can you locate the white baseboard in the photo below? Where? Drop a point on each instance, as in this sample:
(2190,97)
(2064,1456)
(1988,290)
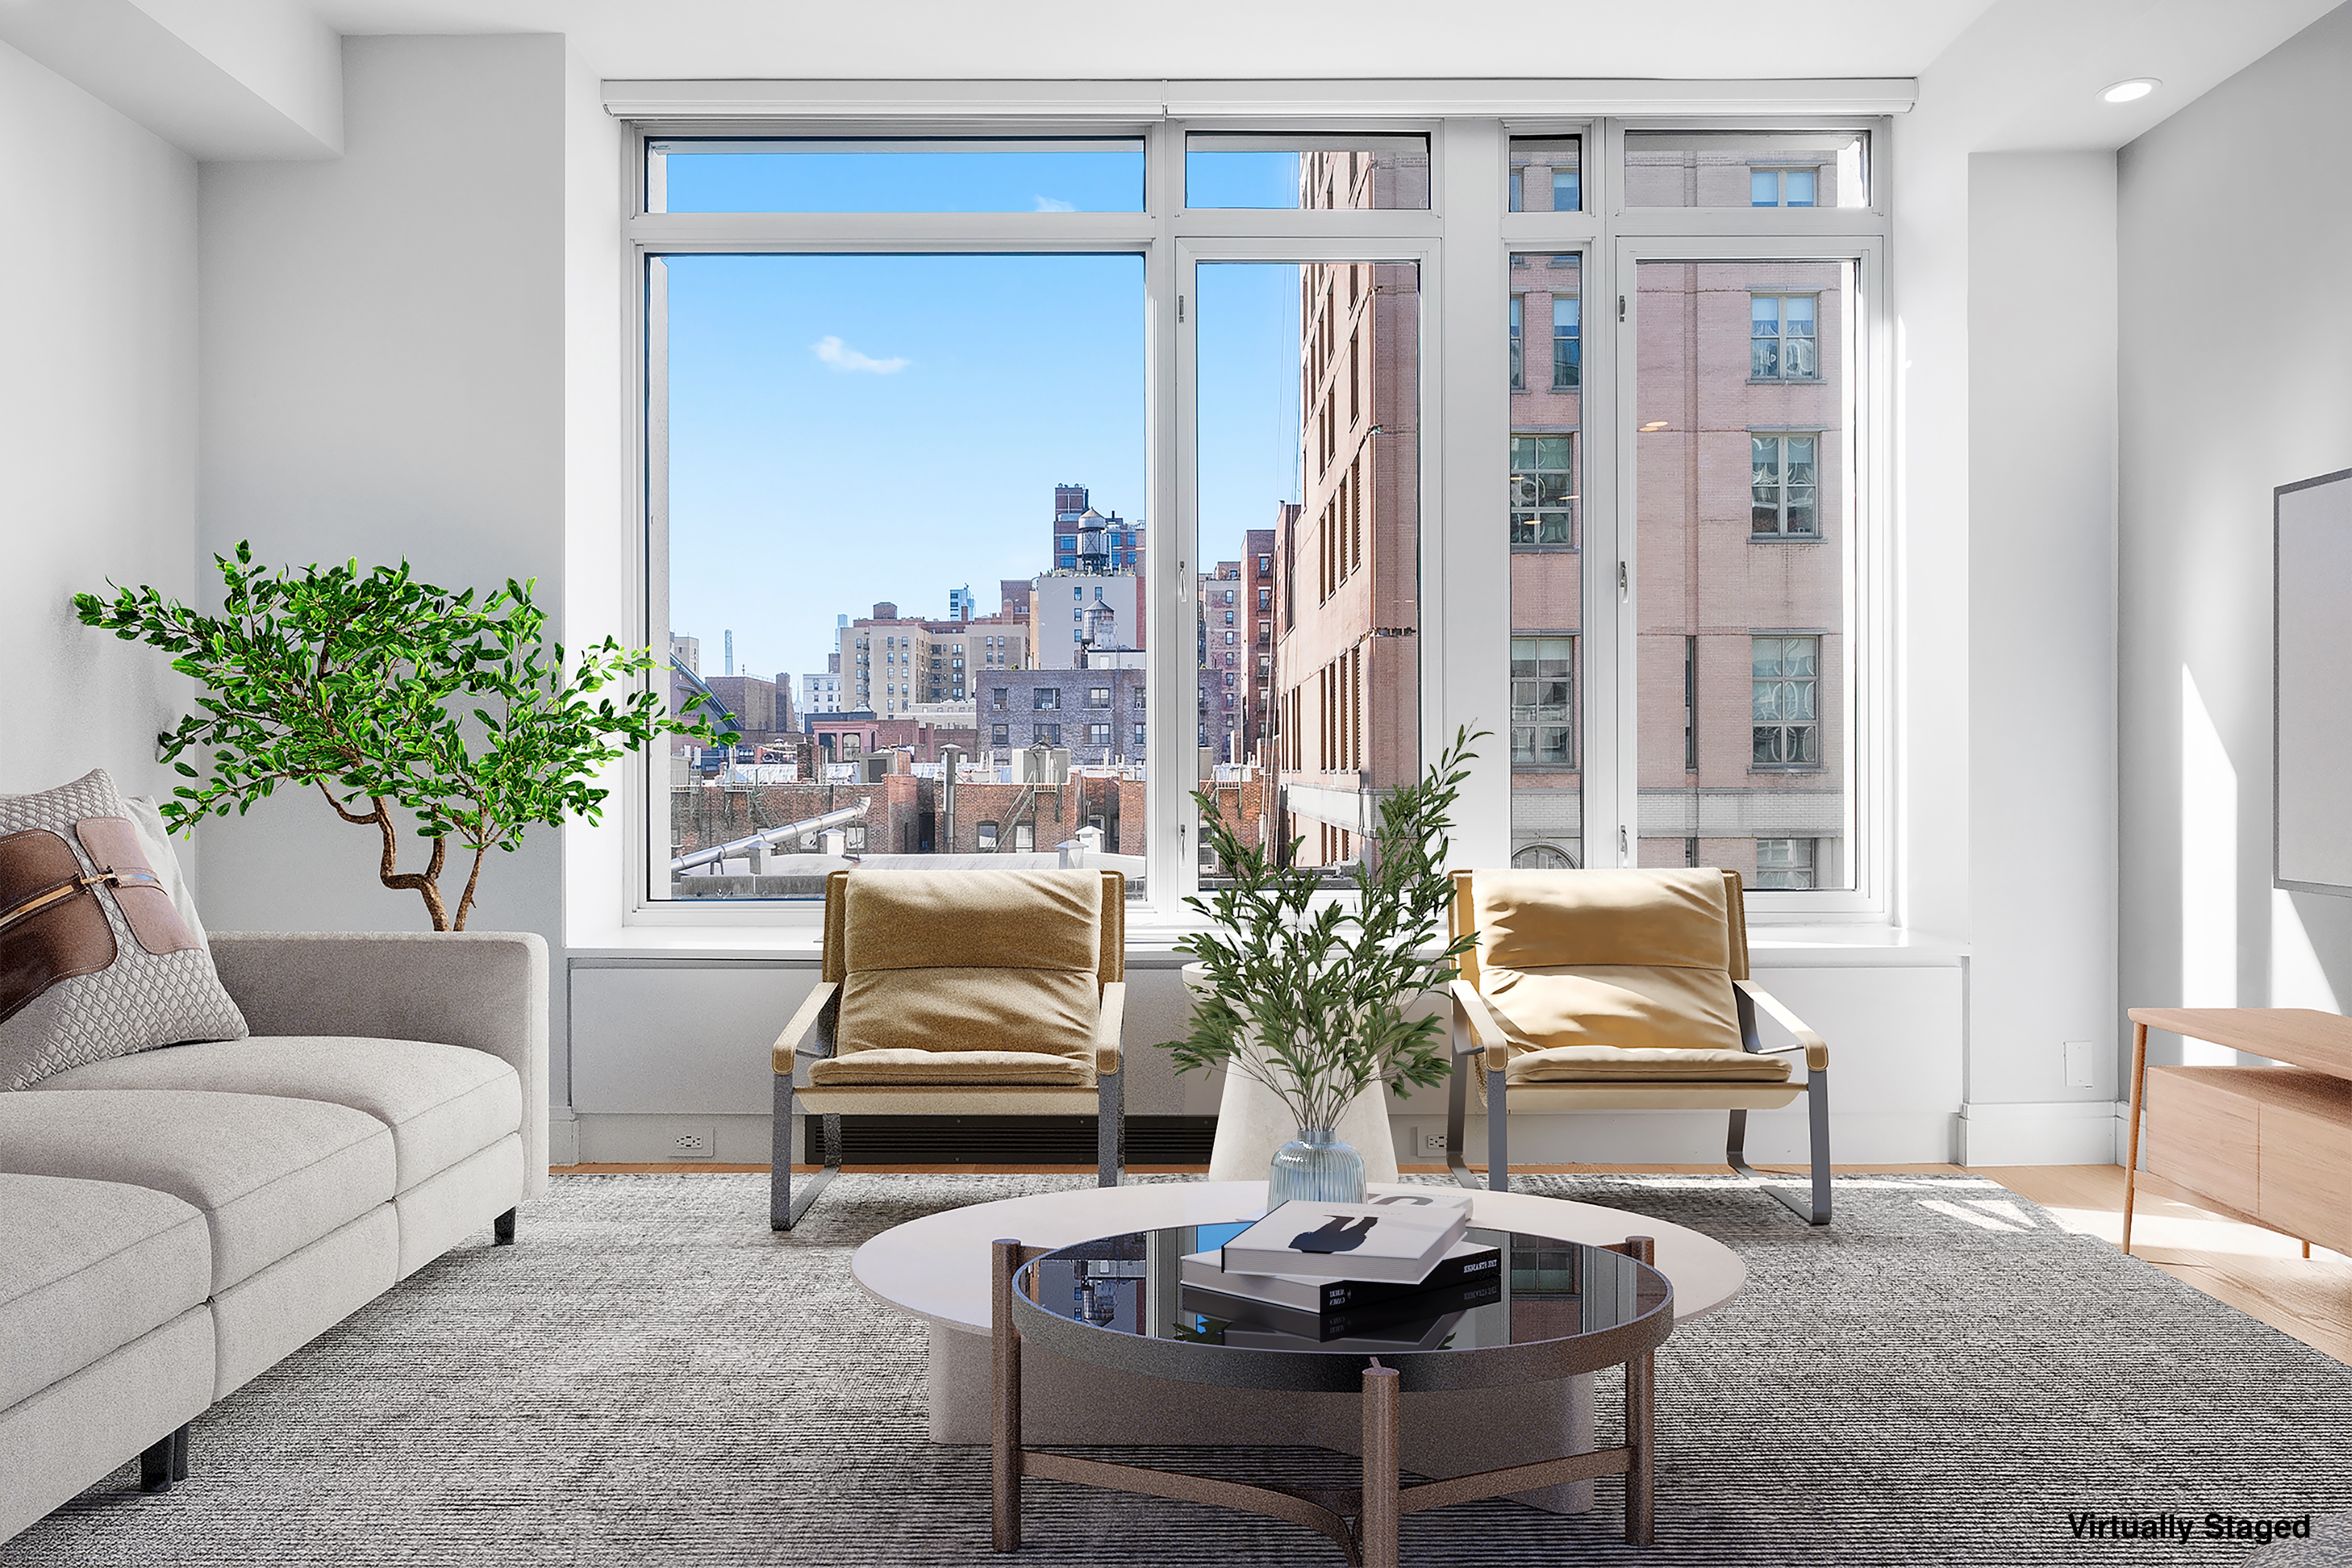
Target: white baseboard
(563,1135)
(1692,1137)
(2046,1132)
(612,1139)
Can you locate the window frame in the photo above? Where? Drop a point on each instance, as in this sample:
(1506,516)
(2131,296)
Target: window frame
(1463,243)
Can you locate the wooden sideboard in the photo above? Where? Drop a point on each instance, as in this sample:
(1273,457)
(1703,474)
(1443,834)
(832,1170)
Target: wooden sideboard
(2269,1145)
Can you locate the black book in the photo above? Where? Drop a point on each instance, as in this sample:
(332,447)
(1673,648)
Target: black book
(1467,1263)
(1419,1306)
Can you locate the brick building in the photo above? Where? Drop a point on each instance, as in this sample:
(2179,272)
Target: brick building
(1257,641)
(1074,517)
(890,662)
(1346,594)
(1097,714)
(1223,663)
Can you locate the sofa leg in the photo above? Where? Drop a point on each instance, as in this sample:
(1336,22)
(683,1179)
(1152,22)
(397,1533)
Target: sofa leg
(165,1461)
(502,1230)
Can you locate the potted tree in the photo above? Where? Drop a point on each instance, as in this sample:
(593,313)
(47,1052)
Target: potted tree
(394,699)
(1308,995)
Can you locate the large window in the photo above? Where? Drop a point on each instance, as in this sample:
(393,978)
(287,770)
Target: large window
(846,444)
(962,439)
(1744,555)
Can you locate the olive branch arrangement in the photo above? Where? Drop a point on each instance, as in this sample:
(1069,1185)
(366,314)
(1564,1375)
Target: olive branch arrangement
(1309,996)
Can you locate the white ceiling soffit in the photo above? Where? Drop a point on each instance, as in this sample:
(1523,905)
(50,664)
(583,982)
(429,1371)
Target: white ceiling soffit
(218,78)
(1207,39)
(1255,101)
(2026,77)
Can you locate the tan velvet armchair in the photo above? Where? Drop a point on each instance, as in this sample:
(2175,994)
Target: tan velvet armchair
(1621,991)
(956,994)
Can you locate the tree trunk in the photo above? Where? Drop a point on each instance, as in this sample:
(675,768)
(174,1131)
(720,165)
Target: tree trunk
(466,904)
(427,882)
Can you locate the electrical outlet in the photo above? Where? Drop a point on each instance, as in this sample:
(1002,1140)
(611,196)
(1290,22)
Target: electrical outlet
(1432,1142)
(693,1144)
(2081,1065)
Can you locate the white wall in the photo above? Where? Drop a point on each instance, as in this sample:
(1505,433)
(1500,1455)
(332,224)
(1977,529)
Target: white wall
(98,426)
(384,349)
(2041,441)
(2234,223)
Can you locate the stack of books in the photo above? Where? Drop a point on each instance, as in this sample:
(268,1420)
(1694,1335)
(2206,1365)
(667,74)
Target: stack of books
(1383,1275)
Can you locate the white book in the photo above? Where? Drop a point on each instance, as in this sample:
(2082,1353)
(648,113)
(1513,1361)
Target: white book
(1373,1241)
(1465,1262)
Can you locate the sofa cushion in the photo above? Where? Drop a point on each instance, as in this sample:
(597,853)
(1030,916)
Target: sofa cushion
(1611,1063)
(441,1102)
(271,1175)
(109,969)
(1678,919)
(866,1069)
(84,1268)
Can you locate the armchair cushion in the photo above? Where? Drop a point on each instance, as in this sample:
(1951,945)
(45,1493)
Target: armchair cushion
(974,965)
(1027,1069)
(1610,1064)
(1631,959)
(1040,1013)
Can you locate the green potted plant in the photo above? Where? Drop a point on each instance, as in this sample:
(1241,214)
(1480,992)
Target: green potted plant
(394,697)
(1311,995)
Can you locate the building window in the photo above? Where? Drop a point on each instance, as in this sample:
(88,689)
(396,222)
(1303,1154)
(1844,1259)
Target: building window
(1043,698)
(1690,708)
(987,836)
(996,697)
(1264,599)
(1785,863)
(1782,344)
(1139,739)
(1543,682)
(1099,735)
(1025,837)
(1787,679)
(1566,342)
(1787,486)
(1519,342)
(1000,734)
(1048,735)
(1099,697)
(1780,187)
(1543,858)
(1543,490)
(853,838)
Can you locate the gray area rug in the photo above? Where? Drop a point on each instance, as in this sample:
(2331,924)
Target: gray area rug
(651,1377)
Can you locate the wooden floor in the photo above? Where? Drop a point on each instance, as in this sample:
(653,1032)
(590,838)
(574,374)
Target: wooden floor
(2261,1273)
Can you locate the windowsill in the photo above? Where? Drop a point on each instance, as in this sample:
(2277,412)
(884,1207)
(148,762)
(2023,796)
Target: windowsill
(1544,549)
(1784,539)
(1151,944)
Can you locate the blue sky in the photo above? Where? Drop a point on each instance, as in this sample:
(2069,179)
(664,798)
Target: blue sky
(845,429)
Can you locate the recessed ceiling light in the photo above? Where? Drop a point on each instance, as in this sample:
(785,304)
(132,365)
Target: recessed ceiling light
(2137,87)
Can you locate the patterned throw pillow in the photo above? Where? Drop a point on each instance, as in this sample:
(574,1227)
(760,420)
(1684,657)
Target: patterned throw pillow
(95,963)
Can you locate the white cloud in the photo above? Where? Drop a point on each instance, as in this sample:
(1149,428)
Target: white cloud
(1054,205)
(840,356)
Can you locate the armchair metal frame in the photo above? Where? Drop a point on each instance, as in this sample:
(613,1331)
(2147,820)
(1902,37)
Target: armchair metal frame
(1478,1033)
(810,1035)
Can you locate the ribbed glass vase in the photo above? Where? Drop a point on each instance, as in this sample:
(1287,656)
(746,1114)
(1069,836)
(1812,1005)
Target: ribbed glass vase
(1315,1166)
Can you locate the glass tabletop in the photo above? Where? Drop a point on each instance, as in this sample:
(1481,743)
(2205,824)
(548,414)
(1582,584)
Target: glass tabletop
(1541,1289)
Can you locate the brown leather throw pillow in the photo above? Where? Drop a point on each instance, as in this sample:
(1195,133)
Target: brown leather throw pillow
(51,927)
(95,961)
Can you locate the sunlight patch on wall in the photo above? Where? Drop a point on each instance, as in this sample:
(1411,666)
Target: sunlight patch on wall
(2297,977)
(2209,871)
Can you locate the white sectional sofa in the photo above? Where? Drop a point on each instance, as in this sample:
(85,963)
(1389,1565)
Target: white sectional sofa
(174,1222)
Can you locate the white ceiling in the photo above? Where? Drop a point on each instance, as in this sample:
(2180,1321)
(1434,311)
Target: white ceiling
(1242,38)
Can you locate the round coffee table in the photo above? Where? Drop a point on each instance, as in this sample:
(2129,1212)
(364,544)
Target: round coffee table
(1562,1310)
(937,1269)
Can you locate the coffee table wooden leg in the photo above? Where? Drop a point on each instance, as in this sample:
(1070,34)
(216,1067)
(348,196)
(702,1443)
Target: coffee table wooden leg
(2131,1136)
(1004,1367)
(1384,1437)
(1641,1425)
